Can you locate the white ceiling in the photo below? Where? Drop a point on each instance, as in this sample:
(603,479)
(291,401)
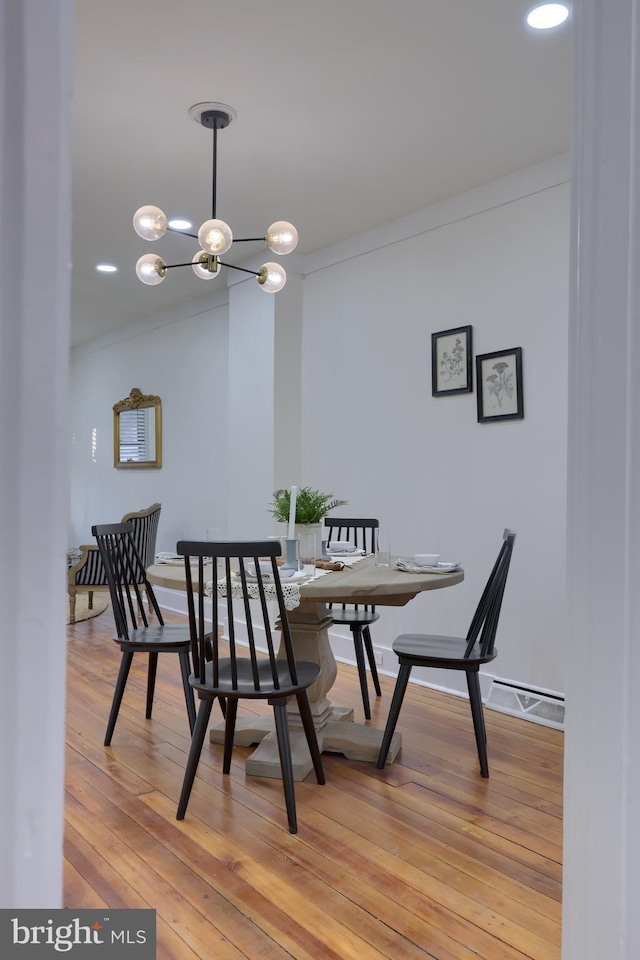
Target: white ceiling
(350,114)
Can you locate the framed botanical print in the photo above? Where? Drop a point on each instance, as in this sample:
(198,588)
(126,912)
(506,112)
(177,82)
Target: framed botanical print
(499,385)
(451,369)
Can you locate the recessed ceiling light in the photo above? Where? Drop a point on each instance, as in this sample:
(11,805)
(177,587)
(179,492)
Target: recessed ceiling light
(547,15)
(179,224)
(106,268)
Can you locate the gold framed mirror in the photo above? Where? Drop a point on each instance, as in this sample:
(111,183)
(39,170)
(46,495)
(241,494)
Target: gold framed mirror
(137,431)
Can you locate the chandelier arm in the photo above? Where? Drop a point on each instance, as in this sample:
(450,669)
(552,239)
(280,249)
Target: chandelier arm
(248,239)
(231,266)
(183,232)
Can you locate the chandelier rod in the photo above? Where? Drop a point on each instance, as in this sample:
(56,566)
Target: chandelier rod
(214,175)
(235,239)
(189,263)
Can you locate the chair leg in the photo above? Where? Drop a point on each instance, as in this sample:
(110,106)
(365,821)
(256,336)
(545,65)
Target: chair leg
(284,747)
(90,600)
(306,716)
(199,731)
(185,667)
(229,733)
(368,645)
(394,711)
(362,670)
(151,682)
(121,682)
(475,698)
(72,608)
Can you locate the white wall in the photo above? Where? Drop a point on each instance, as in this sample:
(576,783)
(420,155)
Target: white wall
(371,432)
(437,479)
(185,363)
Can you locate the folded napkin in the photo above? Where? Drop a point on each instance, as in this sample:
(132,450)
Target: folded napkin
(340,546)
(410,566)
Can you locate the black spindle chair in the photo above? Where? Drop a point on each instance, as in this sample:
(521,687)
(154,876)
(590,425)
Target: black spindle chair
(456,653)
(245,672)
(127,579)
(358,617)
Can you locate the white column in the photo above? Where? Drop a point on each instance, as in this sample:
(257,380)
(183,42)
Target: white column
(602,767)
(36,61)
(265,413)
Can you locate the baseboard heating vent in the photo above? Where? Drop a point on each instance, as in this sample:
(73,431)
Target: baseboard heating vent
(525,702)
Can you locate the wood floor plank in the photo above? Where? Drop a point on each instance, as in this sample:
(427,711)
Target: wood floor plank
(425,849)
(423,860)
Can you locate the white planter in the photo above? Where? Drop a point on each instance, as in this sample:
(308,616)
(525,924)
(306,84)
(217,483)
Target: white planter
(304,531)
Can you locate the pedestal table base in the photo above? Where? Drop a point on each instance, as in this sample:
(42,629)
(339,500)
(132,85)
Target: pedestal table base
(337,733)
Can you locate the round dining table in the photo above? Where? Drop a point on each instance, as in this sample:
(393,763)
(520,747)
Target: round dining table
(362,582)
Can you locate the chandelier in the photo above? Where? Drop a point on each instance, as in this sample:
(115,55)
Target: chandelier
(214,236)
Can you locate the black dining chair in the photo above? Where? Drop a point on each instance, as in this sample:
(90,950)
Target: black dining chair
(127,580)
(245,672)
(456,653)
(358,617)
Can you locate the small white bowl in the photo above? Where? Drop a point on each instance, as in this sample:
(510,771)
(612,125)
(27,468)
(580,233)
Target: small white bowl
(427,559)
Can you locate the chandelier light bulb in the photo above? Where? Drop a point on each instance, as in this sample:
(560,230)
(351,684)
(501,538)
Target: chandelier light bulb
(151,269)
(215,237)
(282,237)
(150,223)
(271,277)
(205,265)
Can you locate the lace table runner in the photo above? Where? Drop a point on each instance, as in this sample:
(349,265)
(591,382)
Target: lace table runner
(290,591)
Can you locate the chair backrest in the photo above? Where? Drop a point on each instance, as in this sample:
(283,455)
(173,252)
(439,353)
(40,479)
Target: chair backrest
(361,533)
(246,574)
(145,531)
(485,620)
(126,576)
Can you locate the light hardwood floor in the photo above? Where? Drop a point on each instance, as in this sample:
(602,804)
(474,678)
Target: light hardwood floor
(423,860)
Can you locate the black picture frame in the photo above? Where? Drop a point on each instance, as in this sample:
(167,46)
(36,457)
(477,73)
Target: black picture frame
(499,385)
(451,365)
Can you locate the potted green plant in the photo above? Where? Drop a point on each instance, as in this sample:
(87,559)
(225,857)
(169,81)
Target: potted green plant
(311,505)
(311,508)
